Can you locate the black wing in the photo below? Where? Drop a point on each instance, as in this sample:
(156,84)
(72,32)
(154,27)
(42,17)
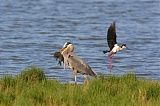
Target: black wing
(111,35)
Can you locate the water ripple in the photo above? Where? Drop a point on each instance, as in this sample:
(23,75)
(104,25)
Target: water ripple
(32,31)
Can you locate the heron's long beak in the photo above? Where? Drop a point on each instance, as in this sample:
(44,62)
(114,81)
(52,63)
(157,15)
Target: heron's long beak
(62,50)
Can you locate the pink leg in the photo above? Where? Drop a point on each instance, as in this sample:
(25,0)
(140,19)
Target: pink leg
(111,61)
(110,64)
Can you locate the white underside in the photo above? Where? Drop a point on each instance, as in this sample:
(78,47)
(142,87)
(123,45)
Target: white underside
(115,49)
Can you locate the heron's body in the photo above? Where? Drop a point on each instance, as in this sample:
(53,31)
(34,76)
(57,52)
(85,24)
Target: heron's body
(75,63)
(112,43)
(80,65)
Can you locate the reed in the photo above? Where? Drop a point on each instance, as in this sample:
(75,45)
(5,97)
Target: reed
(32,88)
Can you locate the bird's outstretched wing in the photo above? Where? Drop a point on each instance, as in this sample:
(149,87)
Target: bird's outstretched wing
(111,35)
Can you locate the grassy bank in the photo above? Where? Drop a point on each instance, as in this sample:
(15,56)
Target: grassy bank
(33,88)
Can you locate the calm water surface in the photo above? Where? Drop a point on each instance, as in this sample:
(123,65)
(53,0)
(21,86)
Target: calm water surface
(32,30)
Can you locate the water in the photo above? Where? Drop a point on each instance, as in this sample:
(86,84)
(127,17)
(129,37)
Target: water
(32,30)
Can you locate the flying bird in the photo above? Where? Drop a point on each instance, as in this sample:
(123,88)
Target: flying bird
(112,43)
(75,63)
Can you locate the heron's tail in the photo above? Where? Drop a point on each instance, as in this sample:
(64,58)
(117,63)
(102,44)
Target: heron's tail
(94,73)
(105,51)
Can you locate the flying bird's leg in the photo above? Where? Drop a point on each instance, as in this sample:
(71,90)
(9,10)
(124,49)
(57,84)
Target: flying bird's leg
(75,77)
(85,79)
(110,64)
(111,61)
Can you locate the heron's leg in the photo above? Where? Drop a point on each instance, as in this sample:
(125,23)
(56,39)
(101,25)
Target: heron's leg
(111,61)
(75,77)
(85,79)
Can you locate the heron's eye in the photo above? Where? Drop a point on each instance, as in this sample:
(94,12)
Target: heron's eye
(70,56)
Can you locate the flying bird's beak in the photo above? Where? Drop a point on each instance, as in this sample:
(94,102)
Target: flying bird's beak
(127,48)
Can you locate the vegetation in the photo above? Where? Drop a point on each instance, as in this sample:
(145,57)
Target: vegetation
(33,88)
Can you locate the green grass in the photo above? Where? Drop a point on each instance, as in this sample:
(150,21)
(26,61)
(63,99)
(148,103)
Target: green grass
(33,88)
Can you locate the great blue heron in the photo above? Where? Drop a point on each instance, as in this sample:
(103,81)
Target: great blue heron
(75,62)
(112,43)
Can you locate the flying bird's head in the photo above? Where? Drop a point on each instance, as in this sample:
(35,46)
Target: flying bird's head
(124,46)
(68,47)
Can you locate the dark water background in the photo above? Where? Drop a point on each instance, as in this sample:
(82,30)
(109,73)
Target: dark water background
(32,30)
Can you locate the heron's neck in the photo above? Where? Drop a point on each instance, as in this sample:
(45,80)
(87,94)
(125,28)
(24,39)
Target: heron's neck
(64,53)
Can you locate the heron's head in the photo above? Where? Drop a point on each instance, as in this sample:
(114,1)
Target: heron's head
(124,46)
(67,47)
